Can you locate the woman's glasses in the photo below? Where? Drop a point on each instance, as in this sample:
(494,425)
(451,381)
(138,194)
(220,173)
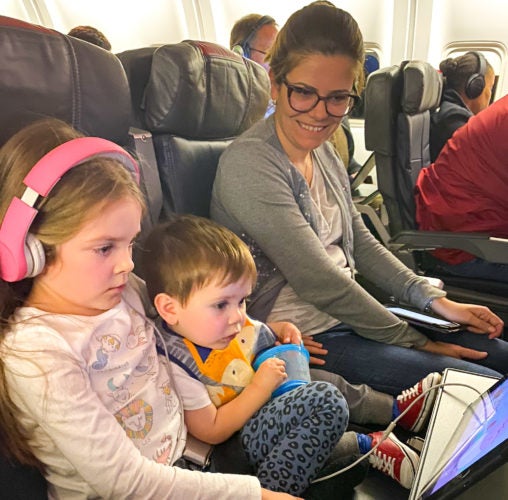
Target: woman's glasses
(303,99)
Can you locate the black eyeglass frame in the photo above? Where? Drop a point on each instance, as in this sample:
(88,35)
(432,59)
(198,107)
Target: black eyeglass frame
(291,88)
(264,52)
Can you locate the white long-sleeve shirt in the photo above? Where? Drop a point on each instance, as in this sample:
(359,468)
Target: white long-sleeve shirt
(102,409)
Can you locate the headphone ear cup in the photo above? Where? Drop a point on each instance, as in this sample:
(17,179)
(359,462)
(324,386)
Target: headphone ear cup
(34,256)
(475,86)
(239,50)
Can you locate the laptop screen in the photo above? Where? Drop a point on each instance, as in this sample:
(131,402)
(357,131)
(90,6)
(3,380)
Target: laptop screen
(477,447)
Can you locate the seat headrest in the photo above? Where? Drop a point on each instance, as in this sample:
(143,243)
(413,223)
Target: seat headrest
(137,64)
(382,104)
(423,85)
(46,73)
(202,90)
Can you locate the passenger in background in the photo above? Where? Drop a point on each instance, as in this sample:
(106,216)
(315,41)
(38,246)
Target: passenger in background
(252,36)
(466,189)
(468,83)
(84,395)
(91,35)
(281,188)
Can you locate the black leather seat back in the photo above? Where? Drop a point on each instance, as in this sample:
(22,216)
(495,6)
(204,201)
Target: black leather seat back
(398,103)
(46,73)
(198,97)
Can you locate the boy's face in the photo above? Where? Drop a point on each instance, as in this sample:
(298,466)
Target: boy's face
(212,317)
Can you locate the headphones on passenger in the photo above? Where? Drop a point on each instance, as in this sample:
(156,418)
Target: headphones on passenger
(243,47)
(476,82)
(21,253)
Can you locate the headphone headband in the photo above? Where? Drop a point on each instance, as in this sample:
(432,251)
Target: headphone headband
(49,169)
(21,254)
(476,82)
(243,46)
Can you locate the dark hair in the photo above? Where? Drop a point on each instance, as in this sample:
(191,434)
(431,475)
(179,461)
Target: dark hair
(91,35)
(317,28)
(457,71)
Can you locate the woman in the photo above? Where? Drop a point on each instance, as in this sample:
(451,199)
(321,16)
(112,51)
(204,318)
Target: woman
(467,91)
(283,190)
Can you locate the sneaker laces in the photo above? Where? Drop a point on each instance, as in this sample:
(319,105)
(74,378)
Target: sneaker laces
(409,393)
(383,462)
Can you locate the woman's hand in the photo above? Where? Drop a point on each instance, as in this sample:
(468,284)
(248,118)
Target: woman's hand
(452,350)
(314,348)
(286,332)
(477,319)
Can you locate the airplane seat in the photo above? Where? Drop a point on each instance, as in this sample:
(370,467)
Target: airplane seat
(46,73)
(198,97)
(399,100)
(137,64)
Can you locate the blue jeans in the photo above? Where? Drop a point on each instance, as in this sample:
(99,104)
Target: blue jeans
(391,369)
(476,268)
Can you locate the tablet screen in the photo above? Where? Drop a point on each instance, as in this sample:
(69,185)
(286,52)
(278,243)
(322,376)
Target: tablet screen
(481,435)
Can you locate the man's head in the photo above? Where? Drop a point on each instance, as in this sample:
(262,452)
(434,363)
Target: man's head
(253,36)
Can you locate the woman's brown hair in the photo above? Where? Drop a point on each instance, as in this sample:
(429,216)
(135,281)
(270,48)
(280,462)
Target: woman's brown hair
(317,28)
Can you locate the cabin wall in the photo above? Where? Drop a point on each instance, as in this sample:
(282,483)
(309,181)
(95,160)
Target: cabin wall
(394,29)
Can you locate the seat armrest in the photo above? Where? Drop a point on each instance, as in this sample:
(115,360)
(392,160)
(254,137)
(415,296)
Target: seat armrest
(481,245)
(364,172)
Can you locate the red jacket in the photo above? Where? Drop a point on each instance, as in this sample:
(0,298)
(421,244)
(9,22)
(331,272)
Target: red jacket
(466,189)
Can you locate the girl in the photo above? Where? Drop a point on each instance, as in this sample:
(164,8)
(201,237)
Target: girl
(83,394)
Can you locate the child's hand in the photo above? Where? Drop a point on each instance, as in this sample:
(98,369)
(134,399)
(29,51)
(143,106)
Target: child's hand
(270,374)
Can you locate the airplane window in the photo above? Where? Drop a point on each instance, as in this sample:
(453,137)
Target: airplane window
(371,64)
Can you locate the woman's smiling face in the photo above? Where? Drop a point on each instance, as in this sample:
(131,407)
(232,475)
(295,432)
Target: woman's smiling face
(300,132)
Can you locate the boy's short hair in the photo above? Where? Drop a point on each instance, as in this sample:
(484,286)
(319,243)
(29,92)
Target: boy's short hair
(189,252)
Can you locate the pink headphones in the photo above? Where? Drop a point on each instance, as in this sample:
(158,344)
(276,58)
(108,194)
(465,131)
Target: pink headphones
(21,253)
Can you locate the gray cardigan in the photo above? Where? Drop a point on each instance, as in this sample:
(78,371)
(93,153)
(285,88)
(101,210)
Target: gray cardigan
(264,199)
